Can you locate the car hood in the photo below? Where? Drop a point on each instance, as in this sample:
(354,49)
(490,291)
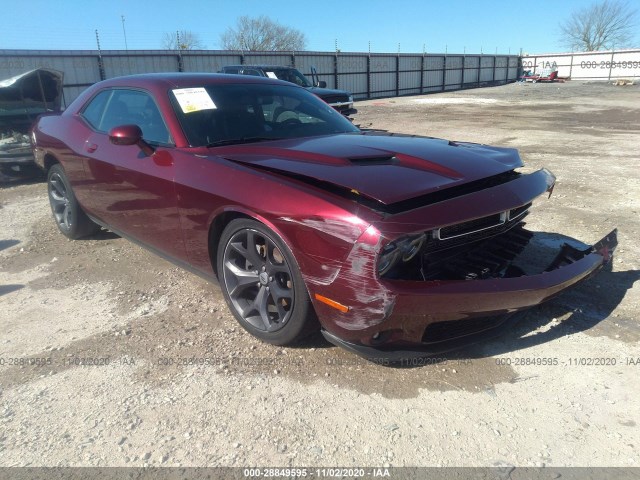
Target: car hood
(36,89)
(385,168)
(328,92)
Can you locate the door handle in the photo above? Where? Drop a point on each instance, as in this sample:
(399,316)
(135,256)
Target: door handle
(91,147)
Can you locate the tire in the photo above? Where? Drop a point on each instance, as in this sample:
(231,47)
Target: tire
(67,212)
(262,284)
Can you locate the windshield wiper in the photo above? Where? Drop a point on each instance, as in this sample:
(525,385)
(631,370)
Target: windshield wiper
(234,141)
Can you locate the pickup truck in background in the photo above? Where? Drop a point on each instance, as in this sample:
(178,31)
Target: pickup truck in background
(341,100)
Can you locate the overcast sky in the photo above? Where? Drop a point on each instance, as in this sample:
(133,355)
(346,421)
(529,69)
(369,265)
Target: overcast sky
(412,24)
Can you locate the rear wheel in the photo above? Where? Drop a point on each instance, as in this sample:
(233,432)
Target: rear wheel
(262,284)
(67,212)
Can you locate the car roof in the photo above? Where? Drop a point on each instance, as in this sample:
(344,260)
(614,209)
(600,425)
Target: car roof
(160,83)
(264,67)
(182,80)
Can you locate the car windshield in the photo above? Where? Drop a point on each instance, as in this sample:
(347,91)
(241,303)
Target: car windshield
(289,75)
(225,114)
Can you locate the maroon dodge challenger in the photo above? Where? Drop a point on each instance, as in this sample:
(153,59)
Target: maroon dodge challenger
(393,245)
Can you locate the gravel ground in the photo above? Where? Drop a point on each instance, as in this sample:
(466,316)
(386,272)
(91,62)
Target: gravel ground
(110,356)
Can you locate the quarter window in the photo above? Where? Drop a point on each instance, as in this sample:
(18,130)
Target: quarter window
(94,111)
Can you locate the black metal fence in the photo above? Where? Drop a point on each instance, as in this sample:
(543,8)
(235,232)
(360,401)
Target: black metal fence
(366,75)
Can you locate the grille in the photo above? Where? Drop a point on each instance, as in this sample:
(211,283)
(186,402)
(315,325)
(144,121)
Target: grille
(519,211)
(482,248)
(473,230)
(488,258)
(472,226)
(335,98)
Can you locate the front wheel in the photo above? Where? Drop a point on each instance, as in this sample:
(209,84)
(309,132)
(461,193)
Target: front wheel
(262,284)
(67,212)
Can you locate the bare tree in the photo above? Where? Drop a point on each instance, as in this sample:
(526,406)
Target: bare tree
(182,40)
(605,25)
(262,34)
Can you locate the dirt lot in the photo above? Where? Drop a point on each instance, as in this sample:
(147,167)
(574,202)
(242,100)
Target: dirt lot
(561,389)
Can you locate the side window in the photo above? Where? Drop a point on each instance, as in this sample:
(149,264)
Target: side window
(251,71)
(137,108)
(93,112)
(230,70)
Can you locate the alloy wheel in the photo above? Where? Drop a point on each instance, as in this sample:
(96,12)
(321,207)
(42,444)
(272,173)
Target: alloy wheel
(60,201)
(259,280)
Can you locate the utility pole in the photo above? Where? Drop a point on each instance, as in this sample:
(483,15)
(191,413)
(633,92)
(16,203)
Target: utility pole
(103,76)
(126,47)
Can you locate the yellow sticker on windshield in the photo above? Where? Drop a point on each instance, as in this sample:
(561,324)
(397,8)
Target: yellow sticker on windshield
(193,99)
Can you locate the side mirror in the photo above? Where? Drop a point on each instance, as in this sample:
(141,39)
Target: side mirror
(315,80)
(130,135)
(125,135)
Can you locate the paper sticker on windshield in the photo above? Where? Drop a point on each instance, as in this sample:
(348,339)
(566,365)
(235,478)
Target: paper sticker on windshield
(194,99)
(271,75)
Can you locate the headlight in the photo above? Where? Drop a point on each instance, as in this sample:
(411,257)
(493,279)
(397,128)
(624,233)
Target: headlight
(388,258)
(412,247)
(405,249)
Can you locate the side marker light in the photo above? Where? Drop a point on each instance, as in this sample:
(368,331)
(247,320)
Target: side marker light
(332,303)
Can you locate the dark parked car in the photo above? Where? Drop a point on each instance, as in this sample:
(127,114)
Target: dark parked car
(397,245)
(22,99)
(341,100)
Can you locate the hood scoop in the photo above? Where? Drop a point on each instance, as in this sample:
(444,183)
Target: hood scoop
(383,160)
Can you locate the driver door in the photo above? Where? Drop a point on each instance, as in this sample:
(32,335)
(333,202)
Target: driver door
(127,190)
